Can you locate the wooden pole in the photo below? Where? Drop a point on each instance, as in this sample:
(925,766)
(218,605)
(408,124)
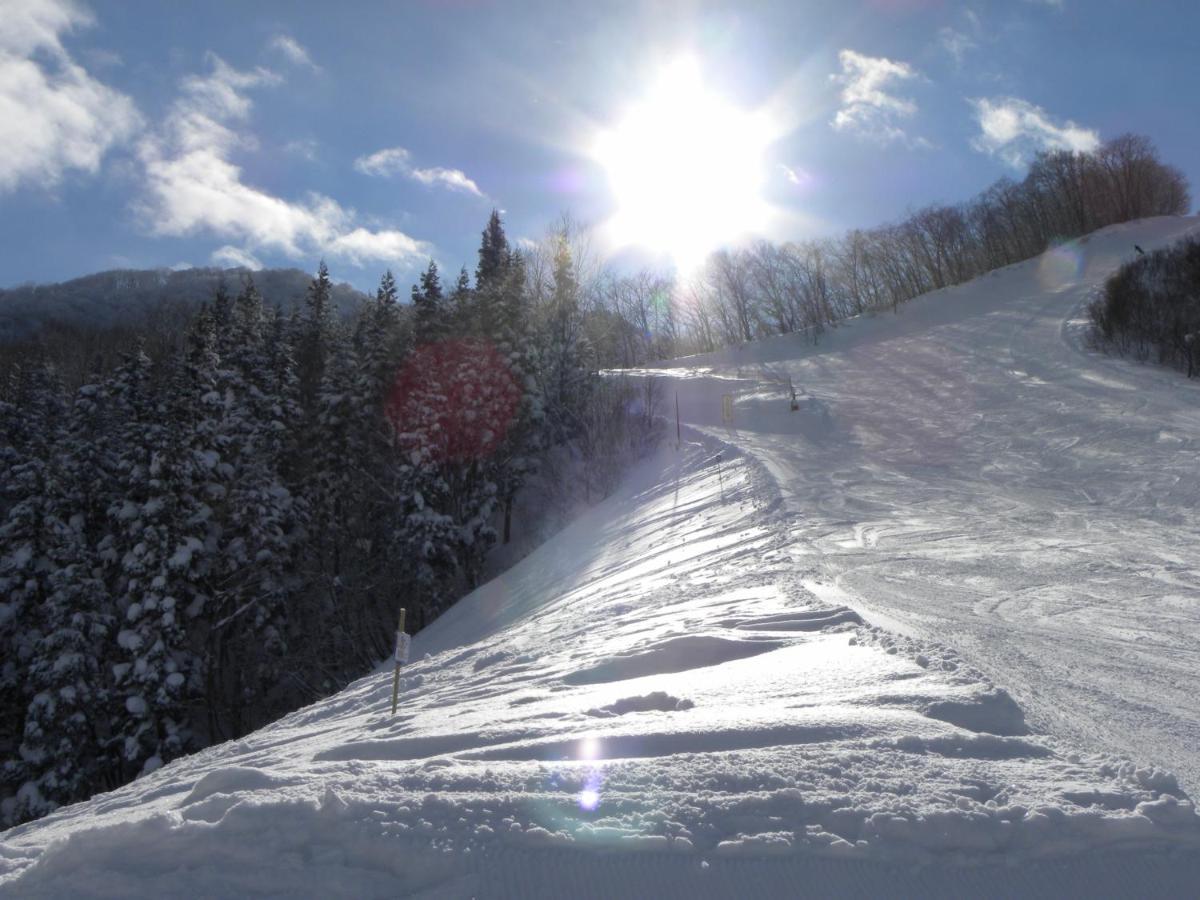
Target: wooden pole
(678,437)
(396,675)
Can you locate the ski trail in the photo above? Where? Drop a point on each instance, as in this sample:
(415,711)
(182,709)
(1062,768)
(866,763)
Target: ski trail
(970,471)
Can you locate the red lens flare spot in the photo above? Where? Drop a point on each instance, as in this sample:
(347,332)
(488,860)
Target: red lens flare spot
(454,401)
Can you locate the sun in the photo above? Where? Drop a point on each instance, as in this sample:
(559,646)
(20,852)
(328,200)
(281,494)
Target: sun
(686,168)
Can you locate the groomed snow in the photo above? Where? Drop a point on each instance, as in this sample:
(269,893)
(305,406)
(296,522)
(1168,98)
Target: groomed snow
(969,470)
(658,701)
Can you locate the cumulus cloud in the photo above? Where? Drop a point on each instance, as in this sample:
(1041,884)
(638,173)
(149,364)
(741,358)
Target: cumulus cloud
(54,117)
(193,186)
(231,257)
(1014,129)
(360,245)
(398,161)
(868,108)
(293,51)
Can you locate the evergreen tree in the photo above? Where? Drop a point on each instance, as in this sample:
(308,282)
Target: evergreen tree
(164,466)
(461,313)
(30,427)
(63,744)
(507,323)
(429,325)
(564,352)
(494,254)
(316,329)
(255,514)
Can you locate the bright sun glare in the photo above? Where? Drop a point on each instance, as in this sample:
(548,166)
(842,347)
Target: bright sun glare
(686,168)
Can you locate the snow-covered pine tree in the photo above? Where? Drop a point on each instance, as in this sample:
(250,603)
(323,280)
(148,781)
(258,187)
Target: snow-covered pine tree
(65,744)
(30,425)
(165,466)
(452,406)
(316,327)
(565,355)
(389,337)
(337,459)
(285,409)
(504,304)
(460,305)
(429,312)
(244,626)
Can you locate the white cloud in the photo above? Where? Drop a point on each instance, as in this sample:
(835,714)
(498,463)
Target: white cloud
(293,51)
(454,179)
(382,163)
(360,245)
(193,186)
(398,161)
(54,117)
(1014,129)
(956,43)
(868,109)
(231,257)
(305,148)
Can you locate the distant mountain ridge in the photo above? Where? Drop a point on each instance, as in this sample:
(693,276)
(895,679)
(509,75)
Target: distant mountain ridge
(127,296)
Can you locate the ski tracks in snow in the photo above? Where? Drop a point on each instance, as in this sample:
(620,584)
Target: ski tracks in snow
(990,481)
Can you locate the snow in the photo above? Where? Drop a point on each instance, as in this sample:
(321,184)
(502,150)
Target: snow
(764,672)
(136,706)
(969,470)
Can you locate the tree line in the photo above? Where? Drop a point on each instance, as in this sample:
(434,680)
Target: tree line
(196,541)
(767,288)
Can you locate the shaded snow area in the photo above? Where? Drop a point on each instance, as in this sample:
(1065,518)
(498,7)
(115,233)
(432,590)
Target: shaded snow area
(678,695)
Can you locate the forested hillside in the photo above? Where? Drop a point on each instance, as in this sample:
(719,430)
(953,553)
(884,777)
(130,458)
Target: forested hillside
(125,297)
(193,544)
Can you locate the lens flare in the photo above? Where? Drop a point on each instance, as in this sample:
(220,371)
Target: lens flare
(590,748)
(453,402)
(1061,266)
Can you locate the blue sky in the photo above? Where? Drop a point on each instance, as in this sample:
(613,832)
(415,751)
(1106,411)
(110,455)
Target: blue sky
(141,134)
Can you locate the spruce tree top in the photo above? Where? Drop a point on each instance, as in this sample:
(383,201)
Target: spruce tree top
(494,255)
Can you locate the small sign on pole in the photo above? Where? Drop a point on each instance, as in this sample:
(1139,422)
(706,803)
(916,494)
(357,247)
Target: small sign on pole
(403,642)
(727,408)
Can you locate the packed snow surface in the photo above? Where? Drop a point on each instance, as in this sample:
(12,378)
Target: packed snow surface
(969,470)
(758,668)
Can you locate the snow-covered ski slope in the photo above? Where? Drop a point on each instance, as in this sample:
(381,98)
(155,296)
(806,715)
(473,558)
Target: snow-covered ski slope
(969,470)
(670,698)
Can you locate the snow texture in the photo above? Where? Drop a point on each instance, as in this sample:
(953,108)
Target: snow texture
(734,677)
